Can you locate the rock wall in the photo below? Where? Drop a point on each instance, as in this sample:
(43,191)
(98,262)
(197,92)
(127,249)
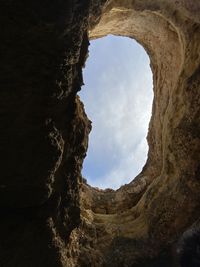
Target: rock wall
(43,128)
(49,216)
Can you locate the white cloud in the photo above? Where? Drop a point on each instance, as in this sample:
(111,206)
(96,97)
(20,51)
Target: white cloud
(118,100)
(130,165)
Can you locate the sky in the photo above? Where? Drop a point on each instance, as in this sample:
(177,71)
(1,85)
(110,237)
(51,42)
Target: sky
(117,96)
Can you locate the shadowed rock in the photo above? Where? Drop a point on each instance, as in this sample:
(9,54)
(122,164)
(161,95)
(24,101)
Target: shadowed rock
(49,217)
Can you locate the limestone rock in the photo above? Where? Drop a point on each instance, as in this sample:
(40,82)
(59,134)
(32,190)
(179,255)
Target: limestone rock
(49,215)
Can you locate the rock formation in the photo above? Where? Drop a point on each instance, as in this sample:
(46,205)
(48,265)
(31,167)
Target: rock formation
(49,215)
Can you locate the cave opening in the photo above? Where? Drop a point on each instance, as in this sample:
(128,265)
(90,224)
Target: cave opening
(118,100)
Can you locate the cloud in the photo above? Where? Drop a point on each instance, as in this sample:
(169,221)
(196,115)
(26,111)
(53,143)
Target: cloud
(118,99)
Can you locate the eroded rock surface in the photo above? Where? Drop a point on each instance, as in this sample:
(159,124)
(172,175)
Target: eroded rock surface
(49,216)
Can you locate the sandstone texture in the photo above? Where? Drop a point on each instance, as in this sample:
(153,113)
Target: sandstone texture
(49,215)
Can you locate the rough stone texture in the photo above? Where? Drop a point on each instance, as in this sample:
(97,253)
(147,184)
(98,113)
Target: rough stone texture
(43,48)
(49,217)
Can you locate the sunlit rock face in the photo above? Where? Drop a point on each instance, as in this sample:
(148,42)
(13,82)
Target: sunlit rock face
(49,216)
(143,219)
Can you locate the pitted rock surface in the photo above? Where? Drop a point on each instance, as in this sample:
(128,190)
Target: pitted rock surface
(49,215)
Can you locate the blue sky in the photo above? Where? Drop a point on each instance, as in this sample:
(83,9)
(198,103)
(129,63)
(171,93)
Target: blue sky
(118,99)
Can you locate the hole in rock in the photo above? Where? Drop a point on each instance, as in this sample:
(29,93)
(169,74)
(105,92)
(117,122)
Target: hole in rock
(118,100)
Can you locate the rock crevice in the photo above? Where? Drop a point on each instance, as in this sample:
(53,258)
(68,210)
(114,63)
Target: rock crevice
(50,216)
